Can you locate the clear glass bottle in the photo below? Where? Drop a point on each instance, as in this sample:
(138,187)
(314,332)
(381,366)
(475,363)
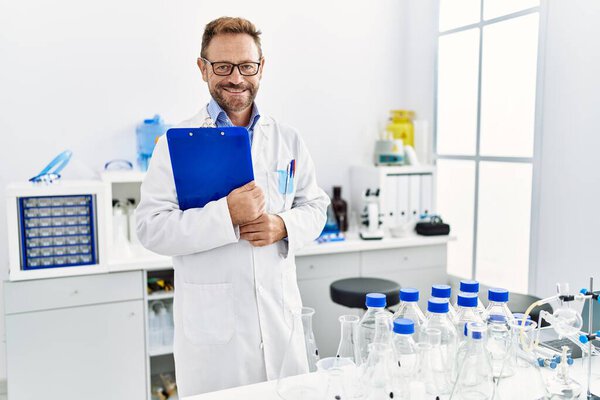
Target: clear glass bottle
(470,286)
(498,305)
(405,348)
(409,307)
(498,318)
(466,312)
(312,351)
(437,318)
(444,292)
(475,378)
(348,347)
(375,303)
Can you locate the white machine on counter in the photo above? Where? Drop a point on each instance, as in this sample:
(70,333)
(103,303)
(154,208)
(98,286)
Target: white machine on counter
(55,229)
(370,217)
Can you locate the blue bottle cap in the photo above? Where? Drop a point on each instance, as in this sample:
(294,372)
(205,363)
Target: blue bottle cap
(437,305)
(404,326)
(497,318)
(519,316)
(467,300)
(469,286)
(476,335)
(465,331)
(409,294)
(376,300)
(498,295)
(441,291)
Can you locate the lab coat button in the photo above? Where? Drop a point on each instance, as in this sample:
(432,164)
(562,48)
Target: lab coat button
(262,345)
(261,290)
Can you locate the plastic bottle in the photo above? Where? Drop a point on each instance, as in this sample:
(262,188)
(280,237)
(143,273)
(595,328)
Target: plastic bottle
(401,126)
(405,348)
(120,231)
(131,223)
(166,325)
(148,134)
(444,292)
(470,286)
(340,208)
(467,312)
(437,318)
(375,303)
(409,308)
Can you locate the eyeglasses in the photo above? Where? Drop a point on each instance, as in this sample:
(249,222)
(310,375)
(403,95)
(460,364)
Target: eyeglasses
(225,69)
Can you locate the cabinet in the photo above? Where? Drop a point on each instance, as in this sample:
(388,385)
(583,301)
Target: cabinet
(76,338)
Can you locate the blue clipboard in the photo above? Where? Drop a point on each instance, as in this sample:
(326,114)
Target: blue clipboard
(208,163)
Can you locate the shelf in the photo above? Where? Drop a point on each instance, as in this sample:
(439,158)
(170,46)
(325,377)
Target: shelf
(161,295)
(160,351)
(131,176)
(140,258)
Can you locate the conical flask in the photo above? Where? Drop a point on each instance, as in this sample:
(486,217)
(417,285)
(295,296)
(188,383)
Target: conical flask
(560,384)
(378,372)
(475,378)
(440,362)
(312,351)
(423,381)
(290,384)
(348,347)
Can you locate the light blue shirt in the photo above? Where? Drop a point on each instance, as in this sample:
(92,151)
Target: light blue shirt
(221,119)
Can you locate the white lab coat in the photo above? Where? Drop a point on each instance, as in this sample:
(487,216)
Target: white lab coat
(233,301)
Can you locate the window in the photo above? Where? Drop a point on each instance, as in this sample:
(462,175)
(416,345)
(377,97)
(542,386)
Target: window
(484,135)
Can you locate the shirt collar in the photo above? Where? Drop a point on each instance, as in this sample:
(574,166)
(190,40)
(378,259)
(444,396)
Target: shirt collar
(220,118)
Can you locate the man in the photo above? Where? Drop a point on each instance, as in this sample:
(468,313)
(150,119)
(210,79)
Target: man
(235,275)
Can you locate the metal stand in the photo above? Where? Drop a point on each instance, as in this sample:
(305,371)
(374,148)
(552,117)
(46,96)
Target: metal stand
(590,395)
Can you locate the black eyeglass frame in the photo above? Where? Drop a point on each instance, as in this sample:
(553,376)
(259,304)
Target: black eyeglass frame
(212,64)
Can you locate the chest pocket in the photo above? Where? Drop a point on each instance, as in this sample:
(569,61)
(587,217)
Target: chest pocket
(282,187)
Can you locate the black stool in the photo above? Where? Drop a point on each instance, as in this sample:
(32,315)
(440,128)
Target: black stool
(352,292)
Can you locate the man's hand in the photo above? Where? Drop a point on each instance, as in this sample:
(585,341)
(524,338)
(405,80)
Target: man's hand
(263,231)
(246,203)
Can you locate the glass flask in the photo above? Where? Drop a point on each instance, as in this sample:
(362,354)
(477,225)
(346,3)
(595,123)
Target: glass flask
(375,303)
(383,328)
(444,292)
(475,379)
(441,362)
(290,384)
(513,387)
(522,336)
(470,286)
(348,347)
(409,307)
(466,312)
(312,351)
(498,345)
(378,377)
(560,384)
(405,349)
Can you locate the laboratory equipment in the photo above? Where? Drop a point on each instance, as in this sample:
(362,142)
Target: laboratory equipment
(348,347)
(370,217)
(51,172)
(475,379)
(423,381)
(401,126)
(147,134)
(291,386)
(405,348)
(409,308)
(312,351)
(340,208)
(378,376)
(437,318)
(56,229)
(131,224)
(444,292)
(498,305)
(383,328)
(389,151)
(375,303)
(560,383)
(120,221)
(441,362)
(470,286)
(499,344)
(467,312)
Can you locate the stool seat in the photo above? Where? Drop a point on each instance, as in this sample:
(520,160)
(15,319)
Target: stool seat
(352,292)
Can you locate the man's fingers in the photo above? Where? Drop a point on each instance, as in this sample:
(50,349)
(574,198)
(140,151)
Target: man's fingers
(249,186)
(251,236)
(249,228)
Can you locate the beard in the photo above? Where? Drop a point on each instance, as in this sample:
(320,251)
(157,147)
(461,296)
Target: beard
(233,103)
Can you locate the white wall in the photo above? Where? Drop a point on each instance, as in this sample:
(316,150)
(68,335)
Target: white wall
(80,75)
(568,247)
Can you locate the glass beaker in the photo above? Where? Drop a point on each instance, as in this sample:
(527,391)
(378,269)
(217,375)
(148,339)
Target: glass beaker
(312,351)
(291,385)
(348,347)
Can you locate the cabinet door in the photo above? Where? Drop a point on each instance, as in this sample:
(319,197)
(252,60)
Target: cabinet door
(315,275)
(89,352)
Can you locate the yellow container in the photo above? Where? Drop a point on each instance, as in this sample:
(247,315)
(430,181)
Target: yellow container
(401,126)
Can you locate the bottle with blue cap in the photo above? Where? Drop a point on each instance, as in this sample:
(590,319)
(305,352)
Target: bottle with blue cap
(444,292)
(497,308)
(405,348)
(499,318)
(475,377)
(437,318)
(147,134)
(471,286)
(467,312)
(409,307)
(376,303)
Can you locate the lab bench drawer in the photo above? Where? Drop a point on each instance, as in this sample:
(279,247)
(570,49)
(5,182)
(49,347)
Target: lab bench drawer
(391,260)
(328,265)
(47,294)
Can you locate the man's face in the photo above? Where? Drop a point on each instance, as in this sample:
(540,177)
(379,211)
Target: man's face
(235,92)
